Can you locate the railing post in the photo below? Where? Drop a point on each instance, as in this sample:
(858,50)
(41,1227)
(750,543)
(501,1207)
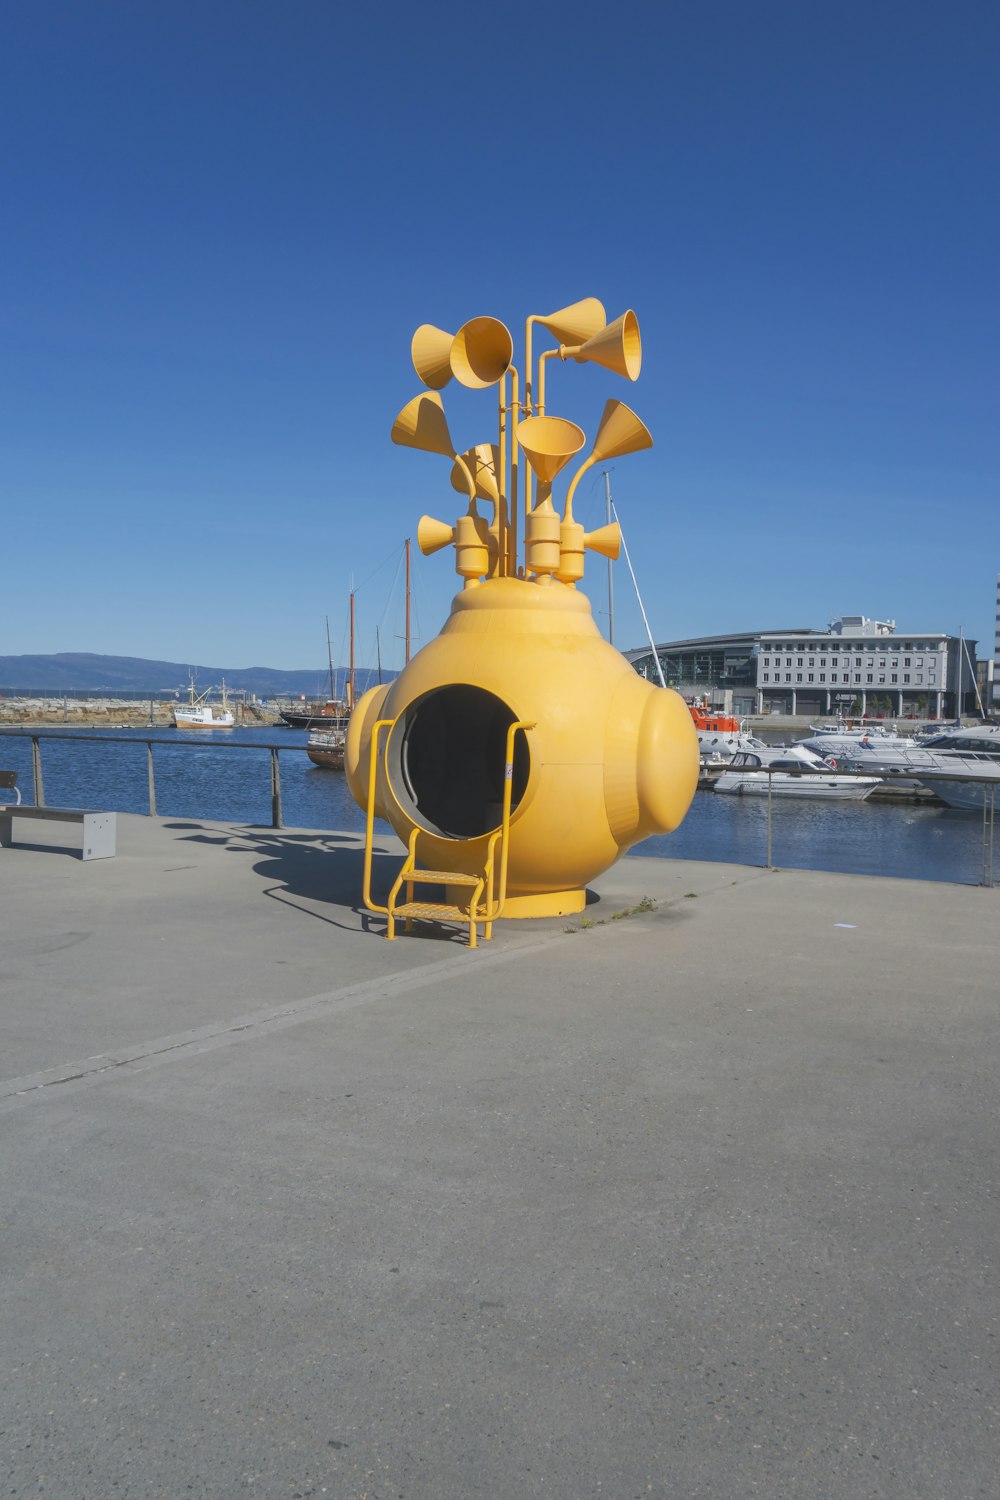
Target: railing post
(149,777)
(275,790)
(989,807)
(769,866)
(36,771)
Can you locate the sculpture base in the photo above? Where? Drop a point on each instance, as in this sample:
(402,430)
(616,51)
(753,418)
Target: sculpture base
(546,904)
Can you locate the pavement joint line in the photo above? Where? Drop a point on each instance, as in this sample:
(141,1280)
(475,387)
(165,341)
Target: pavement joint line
(174,1048)
(141,1056)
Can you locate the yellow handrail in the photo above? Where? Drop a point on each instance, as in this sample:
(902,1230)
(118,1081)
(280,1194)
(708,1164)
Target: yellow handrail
(493,912)
(366,892)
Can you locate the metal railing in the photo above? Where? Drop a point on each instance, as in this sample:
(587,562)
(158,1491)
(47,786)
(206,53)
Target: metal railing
(37,735)
(989,785)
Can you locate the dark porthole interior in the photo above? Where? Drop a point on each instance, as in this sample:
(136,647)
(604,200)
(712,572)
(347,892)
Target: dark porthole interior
(447,767)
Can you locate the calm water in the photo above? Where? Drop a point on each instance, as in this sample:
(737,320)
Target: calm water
(194,780)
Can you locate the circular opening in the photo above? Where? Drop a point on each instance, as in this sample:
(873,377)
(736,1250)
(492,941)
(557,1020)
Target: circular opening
(446,761)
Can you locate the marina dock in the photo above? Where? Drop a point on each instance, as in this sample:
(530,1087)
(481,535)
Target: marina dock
(694,1195)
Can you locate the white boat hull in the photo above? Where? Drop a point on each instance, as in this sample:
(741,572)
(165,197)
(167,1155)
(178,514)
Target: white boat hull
(965,795)
(787,784)
(207,720)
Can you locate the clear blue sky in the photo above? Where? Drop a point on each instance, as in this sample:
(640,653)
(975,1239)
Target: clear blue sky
(222,222)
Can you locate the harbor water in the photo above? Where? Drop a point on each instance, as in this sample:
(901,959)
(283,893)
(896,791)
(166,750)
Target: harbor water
(196,776)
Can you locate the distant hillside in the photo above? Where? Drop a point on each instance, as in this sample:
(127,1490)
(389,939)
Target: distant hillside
(75,672)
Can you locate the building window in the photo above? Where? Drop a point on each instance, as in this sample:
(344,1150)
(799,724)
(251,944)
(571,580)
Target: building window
(767,663)
(906,661)
(798,677)
(788,661)
(766,676)
(920,676)
(822,677)
(812,663)
(894,677)
(869,678)
(881,677)
(857,677)
(857,661)
(920,661)
(788,676)
(906,676)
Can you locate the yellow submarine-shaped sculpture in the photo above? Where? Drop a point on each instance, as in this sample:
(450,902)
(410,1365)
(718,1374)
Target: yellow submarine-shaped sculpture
(518,754)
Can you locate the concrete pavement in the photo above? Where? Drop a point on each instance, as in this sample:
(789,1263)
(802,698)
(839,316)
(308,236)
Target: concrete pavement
(694,1202)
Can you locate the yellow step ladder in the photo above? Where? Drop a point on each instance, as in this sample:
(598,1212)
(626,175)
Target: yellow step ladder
(488,891)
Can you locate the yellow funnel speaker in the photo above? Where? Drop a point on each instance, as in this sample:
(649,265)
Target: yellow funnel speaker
(481,353)
(607,540)
(548,444)
(617,347)
(423,424)
(483,463)
(430,350)
(576,323)
(620,432)
(433,535)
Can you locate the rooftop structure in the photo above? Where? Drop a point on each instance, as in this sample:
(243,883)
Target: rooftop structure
(857,666)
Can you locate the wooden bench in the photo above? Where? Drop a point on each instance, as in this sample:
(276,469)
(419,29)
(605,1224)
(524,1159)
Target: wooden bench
(99,828)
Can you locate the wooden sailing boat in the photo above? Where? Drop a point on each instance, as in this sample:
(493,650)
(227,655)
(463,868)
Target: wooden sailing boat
(327,742)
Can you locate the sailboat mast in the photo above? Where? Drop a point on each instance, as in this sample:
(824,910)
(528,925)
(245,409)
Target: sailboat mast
(350,680)
(329,658)
(407,598)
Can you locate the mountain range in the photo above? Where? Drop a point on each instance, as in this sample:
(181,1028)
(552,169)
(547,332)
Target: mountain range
(76,672)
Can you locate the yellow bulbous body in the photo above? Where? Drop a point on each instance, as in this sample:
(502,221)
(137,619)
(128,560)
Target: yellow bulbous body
(610,759)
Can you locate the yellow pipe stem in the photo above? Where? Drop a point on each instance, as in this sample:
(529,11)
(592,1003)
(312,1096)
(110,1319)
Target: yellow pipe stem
(549,354)
(514,450)
(575,481)
(503,526)
(470,483)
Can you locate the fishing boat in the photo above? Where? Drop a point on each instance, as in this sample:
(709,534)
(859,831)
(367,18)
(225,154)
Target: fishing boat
(791,776)
(198,713)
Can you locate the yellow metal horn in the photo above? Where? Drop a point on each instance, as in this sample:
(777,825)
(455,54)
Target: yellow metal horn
(481,353)
(430,350)
(617,347)
(433,535)
(620,432)
(423,424)
(607,540)
(548,444)
(483,463)
(576,323)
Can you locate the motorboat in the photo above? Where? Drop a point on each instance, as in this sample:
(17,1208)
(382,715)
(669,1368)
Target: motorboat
(876,749)
(962,766)
(953,751)
(790,775)
(198,713)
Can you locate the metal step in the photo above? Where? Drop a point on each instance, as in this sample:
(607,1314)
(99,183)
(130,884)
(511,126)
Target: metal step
(431,911)
(442,877)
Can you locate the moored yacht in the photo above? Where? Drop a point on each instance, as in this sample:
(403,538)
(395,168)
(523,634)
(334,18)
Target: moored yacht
(789,774)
